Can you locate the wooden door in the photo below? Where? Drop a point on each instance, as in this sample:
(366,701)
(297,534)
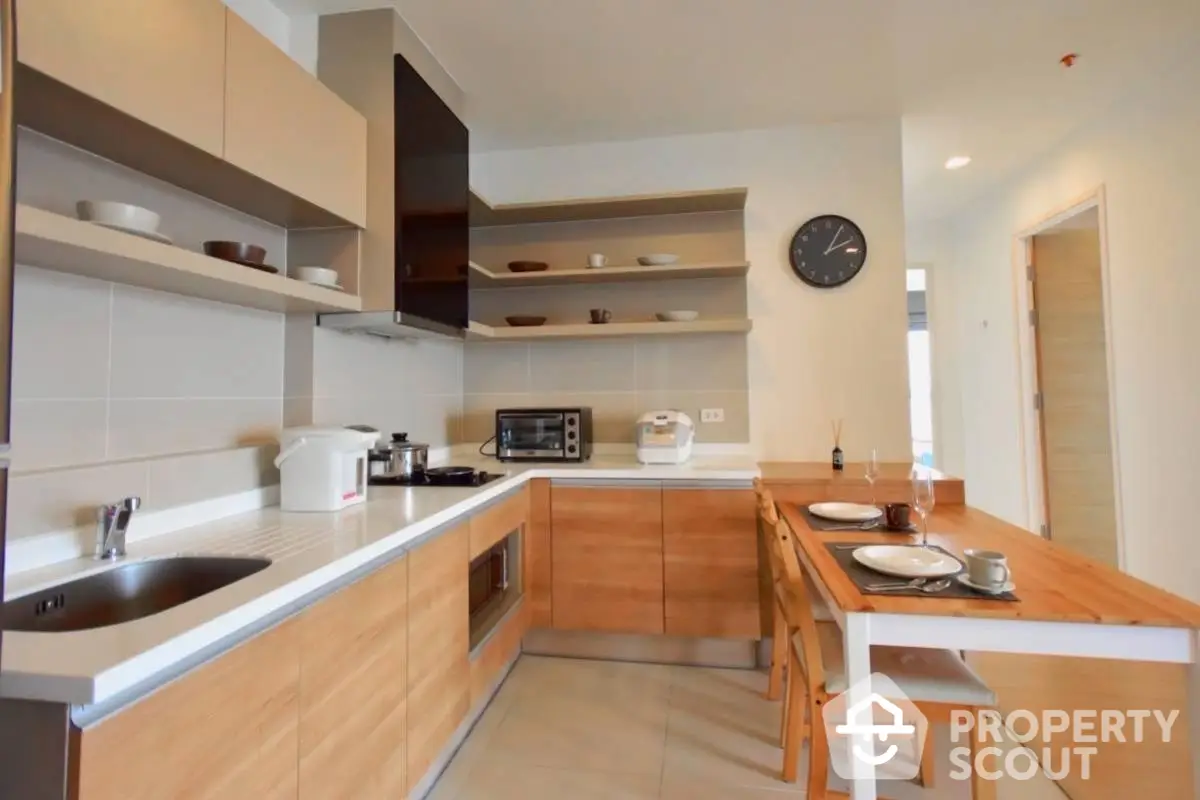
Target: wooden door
(226,730)
(539,571)
(607,554)
(289,129)
(1073,380)
(162,62)
(353,688)
(710,563)
(439,674)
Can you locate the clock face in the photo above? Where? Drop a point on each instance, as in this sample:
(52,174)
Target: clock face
(828,251)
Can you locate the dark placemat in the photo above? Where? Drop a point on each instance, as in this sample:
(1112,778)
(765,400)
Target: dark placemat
(821,524)
(864,577)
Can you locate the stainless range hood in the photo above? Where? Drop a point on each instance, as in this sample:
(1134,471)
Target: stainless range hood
(390,325)
(414,252)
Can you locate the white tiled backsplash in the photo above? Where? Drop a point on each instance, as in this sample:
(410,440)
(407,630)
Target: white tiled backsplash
(619,378)
(123,391)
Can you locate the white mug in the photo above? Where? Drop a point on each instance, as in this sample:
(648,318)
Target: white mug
(597,260)
(987,568)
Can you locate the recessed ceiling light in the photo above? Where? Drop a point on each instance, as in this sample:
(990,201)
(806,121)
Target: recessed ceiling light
(958,162)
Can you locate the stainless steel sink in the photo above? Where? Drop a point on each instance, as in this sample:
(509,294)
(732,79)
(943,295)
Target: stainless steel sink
(128,592)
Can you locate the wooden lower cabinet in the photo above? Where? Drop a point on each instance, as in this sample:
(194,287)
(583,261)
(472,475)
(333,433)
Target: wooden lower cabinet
(227,730)
(439,675)
(710,563)
(495,654)
(497,521)
(354,648)
(539,584)
(607,558)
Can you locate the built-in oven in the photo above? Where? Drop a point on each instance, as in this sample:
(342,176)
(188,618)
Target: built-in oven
(544,434)
(494,586)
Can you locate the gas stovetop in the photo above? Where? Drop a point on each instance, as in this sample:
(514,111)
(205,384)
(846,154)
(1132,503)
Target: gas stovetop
(438,476)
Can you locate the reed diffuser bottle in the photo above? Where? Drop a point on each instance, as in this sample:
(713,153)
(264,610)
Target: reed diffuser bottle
(839,461)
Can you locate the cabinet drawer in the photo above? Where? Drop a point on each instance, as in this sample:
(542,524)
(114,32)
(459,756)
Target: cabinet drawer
(495,522)
(607,559)
(286,127)
(498,651)
(228,729)
(710,563)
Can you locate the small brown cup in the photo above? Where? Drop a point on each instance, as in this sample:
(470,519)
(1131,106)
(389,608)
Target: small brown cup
(896,515)
(600,315)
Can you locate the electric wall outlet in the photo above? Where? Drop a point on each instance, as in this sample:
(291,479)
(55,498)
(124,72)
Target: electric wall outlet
(712,415)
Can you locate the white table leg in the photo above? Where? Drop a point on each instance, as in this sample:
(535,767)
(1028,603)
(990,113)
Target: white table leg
(857,647)
(1193,708)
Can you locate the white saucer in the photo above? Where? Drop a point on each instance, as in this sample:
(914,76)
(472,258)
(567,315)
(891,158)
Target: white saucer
(153,236)
(966,581)
(335,286)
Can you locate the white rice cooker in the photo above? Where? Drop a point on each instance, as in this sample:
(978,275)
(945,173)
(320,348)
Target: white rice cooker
(665,437)
(323,468)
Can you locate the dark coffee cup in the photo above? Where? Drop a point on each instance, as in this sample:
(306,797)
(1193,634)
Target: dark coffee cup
(896,515)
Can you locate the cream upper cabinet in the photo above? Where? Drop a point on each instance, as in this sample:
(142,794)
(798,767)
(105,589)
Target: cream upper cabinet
(162,62)
(289,129)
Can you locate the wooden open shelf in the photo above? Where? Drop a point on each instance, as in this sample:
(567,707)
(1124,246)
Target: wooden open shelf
(482,278)
(52,241)
(485,215)
(480,331)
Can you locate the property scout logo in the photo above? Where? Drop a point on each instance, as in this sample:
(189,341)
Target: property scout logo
(885,730)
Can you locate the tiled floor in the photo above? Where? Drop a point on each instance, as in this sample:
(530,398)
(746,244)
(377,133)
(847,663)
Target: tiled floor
(564,729)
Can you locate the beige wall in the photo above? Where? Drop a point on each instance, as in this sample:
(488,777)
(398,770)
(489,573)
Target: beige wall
(1144,155)
(813,355)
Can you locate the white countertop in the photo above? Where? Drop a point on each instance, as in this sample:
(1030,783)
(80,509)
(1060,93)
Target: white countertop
(309,553)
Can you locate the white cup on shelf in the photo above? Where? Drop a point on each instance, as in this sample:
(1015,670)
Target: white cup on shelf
(597,260)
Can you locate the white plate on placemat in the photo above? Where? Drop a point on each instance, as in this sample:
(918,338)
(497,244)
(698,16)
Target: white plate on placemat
(907,562)
(845,512)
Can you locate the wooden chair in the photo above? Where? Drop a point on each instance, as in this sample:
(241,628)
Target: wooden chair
(936,681)
(782,631)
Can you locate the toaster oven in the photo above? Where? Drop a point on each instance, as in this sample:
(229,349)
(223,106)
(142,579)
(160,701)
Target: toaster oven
(543,434)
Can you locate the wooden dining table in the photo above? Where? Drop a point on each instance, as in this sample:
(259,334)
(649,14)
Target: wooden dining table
(1067,605)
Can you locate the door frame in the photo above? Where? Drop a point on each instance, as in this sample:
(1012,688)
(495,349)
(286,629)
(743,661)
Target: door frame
(1032,439)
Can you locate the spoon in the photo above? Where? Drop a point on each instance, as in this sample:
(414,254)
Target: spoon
(924,584)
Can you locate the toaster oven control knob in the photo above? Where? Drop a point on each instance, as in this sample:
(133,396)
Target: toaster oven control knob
(570,448)
(571,434)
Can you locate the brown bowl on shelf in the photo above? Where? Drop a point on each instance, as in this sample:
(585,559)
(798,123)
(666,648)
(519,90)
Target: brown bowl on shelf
(528,266)
(524,321)
(238,252)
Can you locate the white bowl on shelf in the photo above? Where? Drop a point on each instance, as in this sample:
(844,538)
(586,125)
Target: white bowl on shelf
(322,276)
(677,316)
(658,259)
(124,216)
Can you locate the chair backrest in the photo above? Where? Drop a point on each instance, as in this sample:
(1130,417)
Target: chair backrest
(766,518)
(800,614)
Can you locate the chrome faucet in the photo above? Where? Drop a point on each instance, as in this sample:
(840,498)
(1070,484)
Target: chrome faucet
(112,521)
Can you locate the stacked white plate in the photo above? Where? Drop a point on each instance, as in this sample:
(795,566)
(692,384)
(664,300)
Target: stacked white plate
(845,512)
(122,217)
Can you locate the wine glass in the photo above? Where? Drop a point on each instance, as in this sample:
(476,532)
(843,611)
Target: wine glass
(922,485)
(872,472)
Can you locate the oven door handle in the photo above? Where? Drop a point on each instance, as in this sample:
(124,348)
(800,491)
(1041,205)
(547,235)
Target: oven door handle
(504,569)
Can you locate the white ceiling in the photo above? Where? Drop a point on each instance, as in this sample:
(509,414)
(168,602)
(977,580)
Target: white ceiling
(978,77)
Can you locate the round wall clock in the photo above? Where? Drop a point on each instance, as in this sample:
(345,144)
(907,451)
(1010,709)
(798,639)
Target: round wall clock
(828,251)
